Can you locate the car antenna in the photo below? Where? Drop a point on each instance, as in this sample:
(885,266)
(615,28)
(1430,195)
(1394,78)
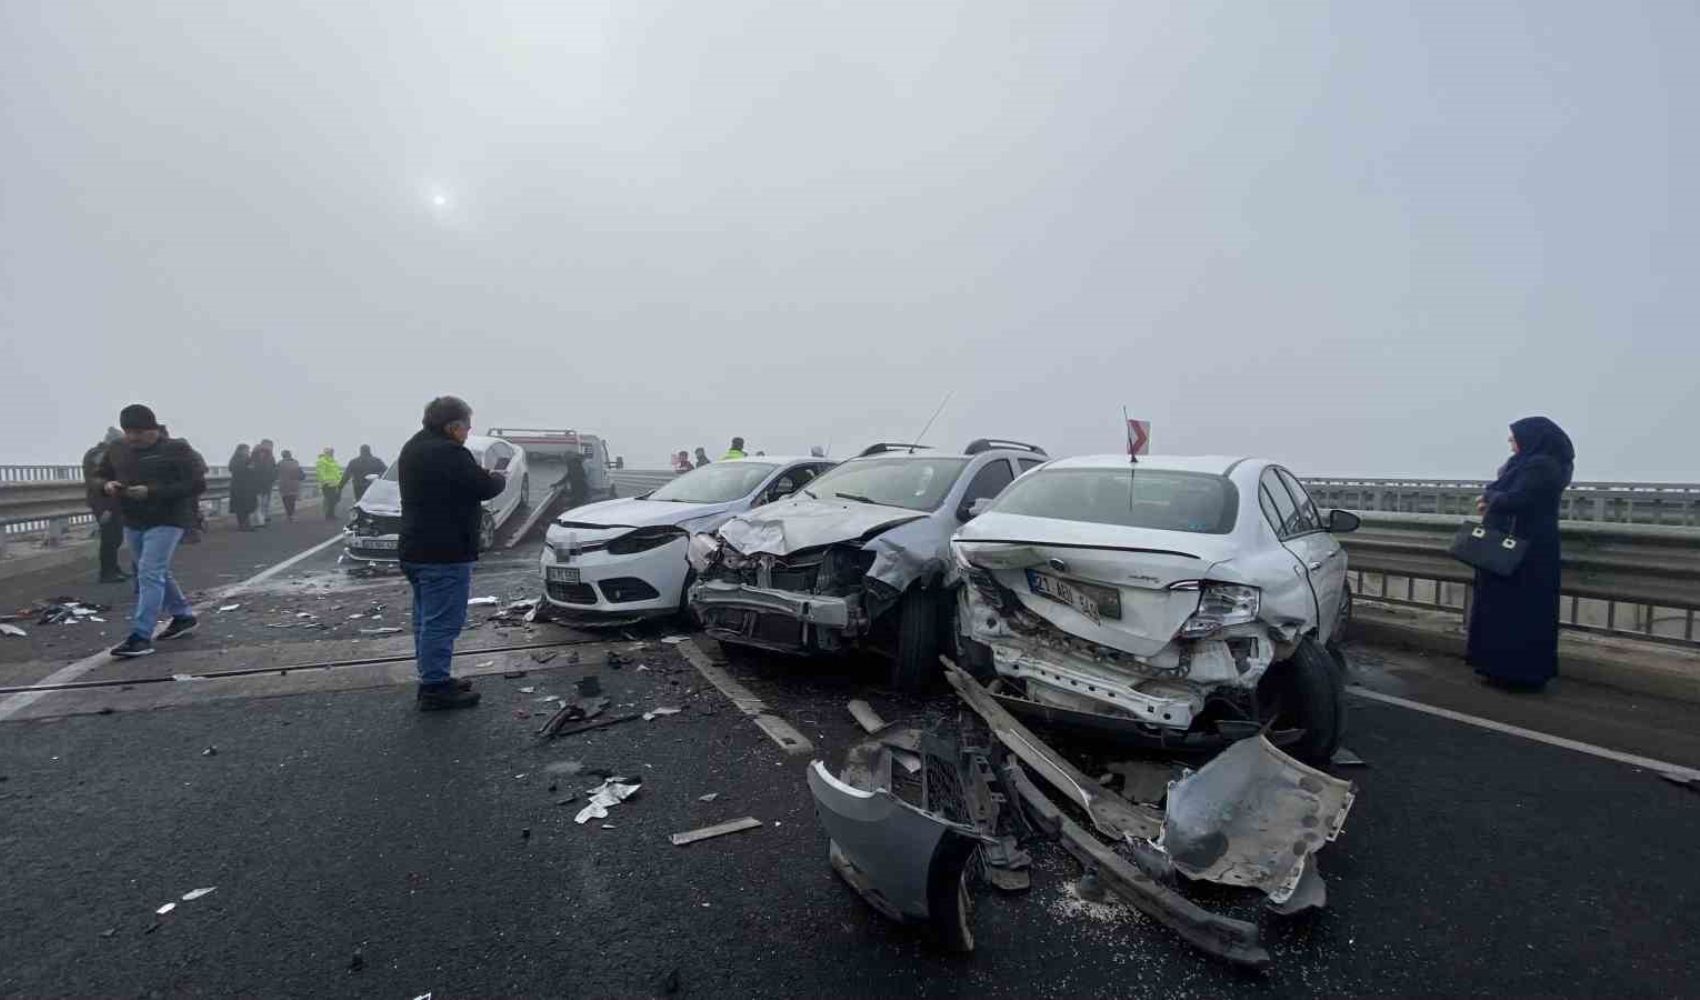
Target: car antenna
(923,435)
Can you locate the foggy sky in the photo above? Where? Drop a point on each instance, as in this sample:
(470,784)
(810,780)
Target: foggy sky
(1357,237)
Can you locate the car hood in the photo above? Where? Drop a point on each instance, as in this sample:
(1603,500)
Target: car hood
(382,498)
(632,512)
(1140,565)
(803,523)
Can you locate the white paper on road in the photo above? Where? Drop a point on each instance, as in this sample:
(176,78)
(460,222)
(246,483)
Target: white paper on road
(610,793)
(659,710)
(194,894)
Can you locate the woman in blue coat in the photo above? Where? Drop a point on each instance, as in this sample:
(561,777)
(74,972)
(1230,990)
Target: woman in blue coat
(1514,619)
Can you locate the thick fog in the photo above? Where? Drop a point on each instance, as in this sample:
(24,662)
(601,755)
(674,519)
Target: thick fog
(1357,237)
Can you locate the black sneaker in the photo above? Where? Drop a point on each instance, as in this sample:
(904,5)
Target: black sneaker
(181,625)
(133,646)
(460,683)
(445,696)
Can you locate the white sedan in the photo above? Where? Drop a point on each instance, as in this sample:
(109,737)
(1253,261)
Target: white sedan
(374,530)
(1185,602)
(623,560)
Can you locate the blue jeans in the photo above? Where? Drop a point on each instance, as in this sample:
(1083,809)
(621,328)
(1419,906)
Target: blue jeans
(152,549)
(440,593)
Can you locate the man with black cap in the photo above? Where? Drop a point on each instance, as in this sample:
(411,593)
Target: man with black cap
(156,481)
(104,508)
(443,490)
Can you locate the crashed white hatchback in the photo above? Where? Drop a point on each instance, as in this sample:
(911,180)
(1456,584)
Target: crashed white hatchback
(1182,602)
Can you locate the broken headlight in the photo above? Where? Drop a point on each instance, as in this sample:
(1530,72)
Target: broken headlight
(701,552)
(1221,605)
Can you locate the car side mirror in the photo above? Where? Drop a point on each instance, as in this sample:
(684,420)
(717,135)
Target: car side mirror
(1342,522)
(969,511)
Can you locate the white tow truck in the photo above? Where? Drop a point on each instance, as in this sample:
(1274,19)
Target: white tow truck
(547,446)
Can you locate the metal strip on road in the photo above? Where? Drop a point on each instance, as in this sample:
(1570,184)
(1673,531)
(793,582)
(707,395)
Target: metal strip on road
(1664,767)
(64,675)
(789,739)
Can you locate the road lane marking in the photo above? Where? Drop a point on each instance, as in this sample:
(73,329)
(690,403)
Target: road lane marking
(745,700)
(64,675)
(1648,763)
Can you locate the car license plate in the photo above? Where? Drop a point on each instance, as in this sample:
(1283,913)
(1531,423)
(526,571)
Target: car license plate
(1059,590)
(563,574)
(386,544)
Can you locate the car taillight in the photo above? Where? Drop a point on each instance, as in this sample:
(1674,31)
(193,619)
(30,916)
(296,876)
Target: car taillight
(1221,605)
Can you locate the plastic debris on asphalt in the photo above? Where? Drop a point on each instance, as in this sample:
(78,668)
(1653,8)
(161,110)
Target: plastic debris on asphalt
(13,630)
(386,630)
(527,690)
(610,793)
(659,711)
(167,908)
(710,797)
(718,830)
(210,752)
(674,640)
(194,894)
(481,602)
(229,607)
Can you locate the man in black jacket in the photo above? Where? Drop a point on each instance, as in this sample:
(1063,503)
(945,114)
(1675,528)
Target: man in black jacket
(442,502)
(157,481)
(367,464)
(105,508)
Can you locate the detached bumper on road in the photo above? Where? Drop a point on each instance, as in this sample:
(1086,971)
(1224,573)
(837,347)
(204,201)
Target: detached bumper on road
(774,619)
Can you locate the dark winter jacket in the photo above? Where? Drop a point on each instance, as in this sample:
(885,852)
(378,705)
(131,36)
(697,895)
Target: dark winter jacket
(98,501)
(442,499)
(264,467)
(358,470)
(244,488)
(173,473)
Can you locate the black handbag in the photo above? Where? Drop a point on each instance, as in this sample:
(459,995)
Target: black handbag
(1488,549)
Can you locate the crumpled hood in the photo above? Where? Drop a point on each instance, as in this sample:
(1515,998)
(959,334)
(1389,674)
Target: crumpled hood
(802,523)
(382,499)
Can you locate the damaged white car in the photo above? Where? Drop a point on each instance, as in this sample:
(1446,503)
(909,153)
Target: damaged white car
(861,557)
(1183,602)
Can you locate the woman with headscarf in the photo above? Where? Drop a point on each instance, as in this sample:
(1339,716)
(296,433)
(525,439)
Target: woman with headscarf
(1514,619)
(243,495)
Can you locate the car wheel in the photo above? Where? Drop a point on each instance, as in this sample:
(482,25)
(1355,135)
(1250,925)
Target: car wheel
(525,490)
(1305,692)
(486,532)
(917,660)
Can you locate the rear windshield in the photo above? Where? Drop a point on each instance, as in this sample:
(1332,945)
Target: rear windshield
(914,483)
(1129,498)
(716,483)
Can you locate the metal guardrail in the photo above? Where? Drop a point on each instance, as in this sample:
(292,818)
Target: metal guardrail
(1637,503)
(54,506)
(631,482)
(1628,580)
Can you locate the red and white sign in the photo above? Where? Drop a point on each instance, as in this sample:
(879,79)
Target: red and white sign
(1139,437)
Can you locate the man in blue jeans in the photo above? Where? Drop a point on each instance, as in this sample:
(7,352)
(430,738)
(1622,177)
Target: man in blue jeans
(156,480)
(443,490)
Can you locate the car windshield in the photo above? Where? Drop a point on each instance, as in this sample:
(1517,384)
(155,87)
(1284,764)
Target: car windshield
(393,472)
(1129,498)
(915,483)
(715,483)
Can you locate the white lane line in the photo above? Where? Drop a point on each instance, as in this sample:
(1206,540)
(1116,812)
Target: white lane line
(1676,770)
(789,739)
(24,699)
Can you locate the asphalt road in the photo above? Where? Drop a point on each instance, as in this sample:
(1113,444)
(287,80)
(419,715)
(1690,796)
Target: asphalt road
(333,821)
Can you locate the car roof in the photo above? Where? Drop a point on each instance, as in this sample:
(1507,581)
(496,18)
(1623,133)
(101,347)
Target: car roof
(1215,465)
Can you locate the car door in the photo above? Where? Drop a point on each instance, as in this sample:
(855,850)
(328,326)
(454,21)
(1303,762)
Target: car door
(1295,529)
(1325,559)
(498,506)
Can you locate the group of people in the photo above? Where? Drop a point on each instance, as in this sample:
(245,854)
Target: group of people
(254,474)
(682,461)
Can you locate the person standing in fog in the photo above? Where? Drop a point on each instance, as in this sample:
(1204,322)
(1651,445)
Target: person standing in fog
(242,493)
(1514,619)
(443,490)
(702,457)
(264,465)
(104,508)
(289,480)
(330,480)
(364,465)
(158,481)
